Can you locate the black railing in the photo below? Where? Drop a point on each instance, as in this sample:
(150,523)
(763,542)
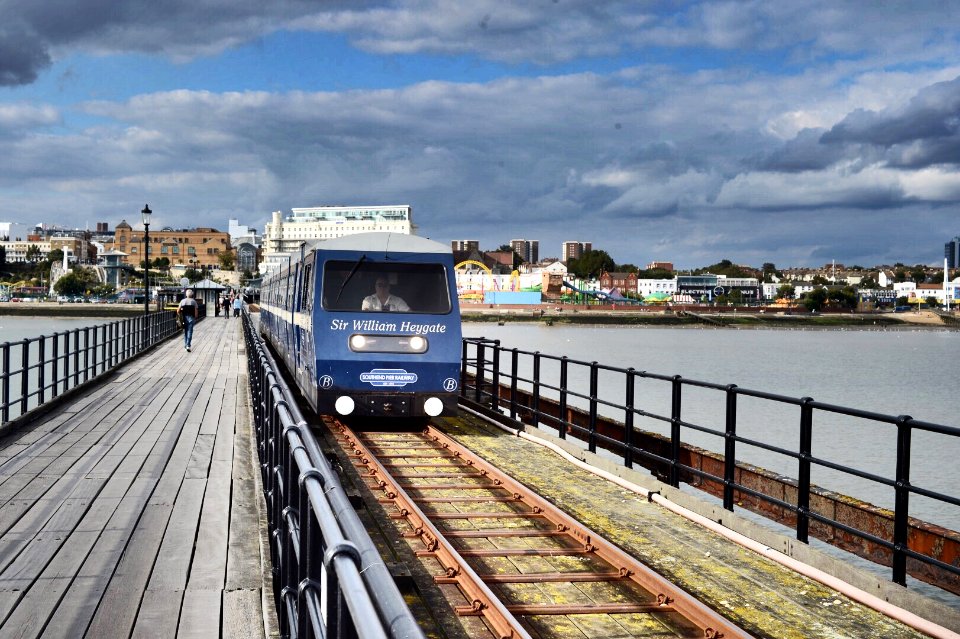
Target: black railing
(328,578)
(525,392)
(37,370)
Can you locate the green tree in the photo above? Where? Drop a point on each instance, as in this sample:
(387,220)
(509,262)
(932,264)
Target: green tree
(815,299)
(769,270)
(932,301)
(787,291)
(33,253)
(227,259)
(193,275)
(868,282)
(76,282)
(591,264)
(728,268)
(655,274)
(918,274)
(56,255)
(819,280)
(845,297)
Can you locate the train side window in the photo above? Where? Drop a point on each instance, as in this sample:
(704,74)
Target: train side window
(306,300)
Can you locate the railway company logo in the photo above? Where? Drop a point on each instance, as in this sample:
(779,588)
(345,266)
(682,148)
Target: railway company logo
(391,377)
(449,384)
(326,381)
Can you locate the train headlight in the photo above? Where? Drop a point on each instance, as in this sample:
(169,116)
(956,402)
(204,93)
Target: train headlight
(388,343)
(344,405)
(433,406)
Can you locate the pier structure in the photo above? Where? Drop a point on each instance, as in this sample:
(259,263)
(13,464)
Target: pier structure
(134,508)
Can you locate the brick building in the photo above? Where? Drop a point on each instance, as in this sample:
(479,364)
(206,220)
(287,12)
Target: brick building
(190,247)
(626,282)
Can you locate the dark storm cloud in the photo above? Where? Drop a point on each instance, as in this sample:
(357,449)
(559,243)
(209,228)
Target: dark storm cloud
(924,132)
(806,152)
(36,32)
(22,56)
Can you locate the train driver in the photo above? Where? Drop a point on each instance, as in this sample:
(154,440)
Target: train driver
(382,300)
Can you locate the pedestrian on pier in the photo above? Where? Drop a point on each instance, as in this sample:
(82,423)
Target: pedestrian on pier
(189,311)
(237,305)
(225,306)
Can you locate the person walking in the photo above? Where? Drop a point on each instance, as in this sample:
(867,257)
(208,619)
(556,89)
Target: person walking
(237,305)
(189,311)
(225,306)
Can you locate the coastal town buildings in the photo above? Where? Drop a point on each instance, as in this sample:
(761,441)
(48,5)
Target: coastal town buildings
(246,242)
(285,234)
(574,250)
(37,248)
(528,250)
(197,248)
(465,246)
(951,251)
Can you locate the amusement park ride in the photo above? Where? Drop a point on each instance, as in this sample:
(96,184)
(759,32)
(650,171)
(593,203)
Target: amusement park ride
(474,284)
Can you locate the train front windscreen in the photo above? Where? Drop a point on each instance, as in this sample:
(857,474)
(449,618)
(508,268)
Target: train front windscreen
(371,286)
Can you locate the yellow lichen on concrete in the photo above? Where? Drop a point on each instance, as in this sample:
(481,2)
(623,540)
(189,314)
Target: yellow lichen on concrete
(755,593)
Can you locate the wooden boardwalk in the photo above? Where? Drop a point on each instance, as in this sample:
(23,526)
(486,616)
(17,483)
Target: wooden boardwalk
(133,510)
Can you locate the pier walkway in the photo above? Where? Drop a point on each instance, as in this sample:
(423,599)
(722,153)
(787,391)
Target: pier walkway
(133,509)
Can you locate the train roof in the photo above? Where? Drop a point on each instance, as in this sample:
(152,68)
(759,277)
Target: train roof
(376,242)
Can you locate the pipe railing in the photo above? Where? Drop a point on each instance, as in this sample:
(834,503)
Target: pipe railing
(485,363)
(37,370)
(328,577)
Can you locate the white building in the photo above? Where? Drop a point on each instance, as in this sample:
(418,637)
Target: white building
(649,287)
(283,236)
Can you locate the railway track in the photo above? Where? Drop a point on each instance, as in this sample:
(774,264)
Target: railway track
(517,563)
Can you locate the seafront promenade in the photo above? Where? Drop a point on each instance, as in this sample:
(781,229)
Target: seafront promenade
(134,508)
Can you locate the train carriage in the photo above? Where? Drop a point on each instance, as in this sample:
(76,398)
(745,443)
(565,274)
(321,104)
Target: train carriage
(368,324)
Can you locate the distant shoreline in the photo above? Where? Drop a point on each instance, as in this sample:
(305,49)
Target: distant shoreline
(54,309)
(565,316)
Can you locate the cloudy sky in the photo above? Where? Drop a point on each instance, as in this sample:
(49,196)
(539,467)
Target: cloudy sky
(787,132)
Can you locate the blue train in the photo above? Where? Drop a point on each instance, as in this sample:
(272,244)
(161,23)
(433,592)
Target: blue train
(368,325)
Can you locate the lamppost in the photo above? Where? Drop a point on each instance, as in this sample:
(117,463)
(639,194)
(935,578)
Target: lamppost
(145,213)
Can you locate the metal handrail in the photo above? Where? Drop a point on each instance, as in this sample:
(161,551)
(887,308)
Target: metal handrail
(482,370)
(328,577)
(37,370)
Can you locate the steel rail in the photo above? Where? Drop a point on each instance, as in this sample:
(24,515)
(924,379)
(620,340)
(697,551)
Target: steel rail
(482,600)
(666,597)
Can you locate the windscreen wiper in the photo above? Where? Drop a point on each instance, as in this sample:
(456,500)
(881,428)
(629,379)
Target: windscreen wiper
(349,276)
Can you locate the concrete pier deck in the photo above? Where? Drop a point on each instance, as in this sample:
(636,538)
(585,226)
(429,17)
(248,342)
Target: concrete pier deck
(133,508)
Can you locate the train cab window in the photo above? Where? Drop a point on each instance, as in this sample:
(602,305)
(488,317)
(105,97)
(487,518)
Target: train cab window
(413,288)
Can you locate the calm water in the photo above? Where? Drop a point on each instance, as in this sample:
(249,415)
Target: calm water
(890,372)
(15,328)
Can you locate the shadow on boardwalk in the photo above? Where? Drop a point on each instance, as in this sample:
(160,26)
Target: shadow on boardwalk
(134,510)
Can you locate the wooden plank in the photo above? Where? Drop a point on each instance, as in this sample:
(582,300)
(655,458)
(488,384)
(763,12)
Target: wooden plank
(158,616)
(199,462)
(175,552)
(120,602)
(209,567)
